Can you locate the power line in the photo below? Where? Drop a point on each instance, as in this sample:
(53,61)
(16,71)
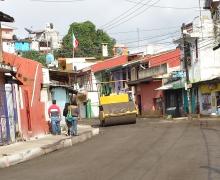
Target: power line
(153,37)
(124,14)
(153,43)
(129,18)
(168,7)
(145,30)
(131,40)
(56,1)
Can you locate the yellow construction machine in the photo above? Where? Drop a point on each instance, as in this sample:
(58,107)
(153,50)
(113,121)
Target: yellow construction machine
(115,107)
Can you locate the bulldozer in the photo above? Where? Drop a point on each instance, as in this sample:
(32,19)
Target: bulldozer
(115,108)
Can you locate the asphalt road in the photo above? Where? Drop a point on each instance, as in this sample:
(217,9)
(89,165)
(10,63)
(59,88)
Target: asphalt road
(148,150)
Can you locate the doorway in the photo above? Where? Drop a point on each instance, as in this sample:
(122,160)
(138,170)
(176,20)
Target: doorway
(26,99)
(139,103)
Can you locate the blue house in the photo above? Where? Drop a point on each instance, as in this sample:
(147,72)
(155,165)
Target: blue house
(22,46)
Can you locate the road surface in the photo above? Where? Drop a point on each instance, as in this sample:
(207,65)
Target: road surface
(148,150)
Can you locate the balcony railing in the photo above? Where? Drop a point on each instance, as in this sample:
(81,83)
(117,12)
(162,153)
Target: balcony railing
(153,71)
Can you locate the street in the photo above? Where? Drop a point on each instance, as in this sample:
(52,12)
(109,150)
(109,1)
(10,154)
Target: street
(148,150)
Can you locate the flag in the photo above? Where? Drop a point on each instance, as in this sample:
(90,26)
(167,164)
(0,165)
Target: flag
(75,42)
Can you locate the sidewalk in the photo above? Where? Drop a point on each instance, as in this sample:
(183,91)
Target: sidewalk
(23,151)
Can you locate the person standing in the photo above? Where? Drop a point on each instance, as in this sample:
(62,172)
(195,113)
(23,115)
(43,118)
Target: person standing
(73,111)
(65,113)
(55,116)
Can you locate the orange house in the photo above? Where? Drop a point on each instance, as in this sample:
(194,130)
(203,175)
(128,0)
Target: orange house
(32,115)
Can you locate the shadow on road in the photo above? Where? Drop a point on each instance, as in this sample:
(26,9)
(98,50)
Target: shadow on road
(216,170)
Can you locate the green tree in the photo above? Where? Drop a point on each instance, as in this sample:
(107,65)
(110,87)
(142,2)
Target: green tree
(35,55)
(90,41)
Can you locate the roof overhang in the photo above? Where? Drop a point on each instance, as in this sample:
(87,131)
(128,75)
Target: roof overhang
(70,88)
(5,18)
(165,87)
(60,75)
(140,81)
(173,85)
(134,62)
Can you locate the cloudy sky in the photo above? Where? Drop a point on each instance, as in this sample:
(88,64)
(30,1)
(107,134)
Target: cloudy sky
(125,20)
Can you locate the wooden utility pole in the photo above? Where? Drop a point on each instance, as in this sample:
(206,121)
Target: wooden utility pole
(185,60)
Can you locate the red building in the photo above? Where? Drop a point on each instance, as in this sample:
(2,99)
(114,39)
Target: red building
(146,77)
(32,112)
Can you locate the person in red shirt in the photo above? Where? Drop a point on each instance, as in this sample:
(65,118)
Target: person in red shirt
(55,116)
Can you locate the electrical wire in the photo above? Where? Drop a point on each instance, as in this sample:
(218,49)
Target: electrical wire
(125,41)
(129,18)
(56,1)
(145,30)
(168,7)
(125,14)
(153,37)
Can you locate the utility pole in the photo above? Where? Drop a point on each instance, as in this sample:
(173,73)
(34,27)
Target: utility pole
(185,60)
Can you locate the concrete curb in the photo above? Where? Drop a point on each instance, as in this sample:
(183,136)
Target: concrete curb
(28,154)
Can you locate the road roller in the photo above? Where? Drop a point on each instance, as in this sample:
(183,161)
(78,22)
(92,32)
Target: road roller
(117,108)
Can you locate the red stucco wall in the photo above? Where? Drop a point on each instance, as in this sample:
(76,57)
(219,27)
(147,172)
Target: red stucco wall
(26,70)
(148,93)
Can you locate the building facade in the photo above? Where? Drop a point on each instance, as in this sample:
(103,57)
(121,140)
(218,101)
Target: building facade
(203,66)
(7,38)
(31,109)
(145,80)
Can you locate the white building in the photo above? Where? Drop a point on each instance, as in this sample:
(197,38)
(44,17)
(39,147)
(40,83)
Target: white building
(85,84)
(203,63)
(149,49)
(45,40)
(7,38)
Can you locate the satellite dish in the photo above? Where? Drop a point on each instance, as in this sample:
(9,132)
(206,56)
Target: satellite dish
(49,59)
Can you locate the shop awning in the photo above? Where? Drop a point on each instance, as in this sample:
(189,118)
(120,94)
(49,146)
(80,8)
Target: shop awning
(165,87)
(173,85)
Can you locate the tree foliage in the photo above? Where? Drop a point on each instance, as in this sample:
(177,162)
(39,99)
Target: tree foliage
(90,41)
(35,55)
